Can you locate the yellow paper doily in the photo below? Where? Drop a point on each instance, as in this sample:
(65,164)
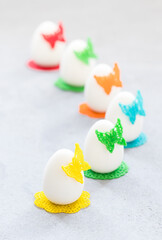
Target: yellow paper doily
(41,201)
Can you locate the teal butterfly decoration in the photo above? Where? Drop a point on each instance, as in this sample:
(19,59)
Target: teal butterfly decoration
(109,139)
(136,107)
(87,53)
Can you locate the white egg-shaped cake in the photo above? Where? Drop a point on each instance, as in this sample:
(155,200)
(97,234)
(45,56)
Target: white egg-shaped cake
(102,86)
(48,44)
(103,148)
(130,110)
(63,181)
(77,62)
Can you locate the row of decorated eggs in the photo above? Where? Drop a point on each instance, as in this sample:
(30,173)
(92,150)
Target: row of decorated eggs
(62,185)
(102,83)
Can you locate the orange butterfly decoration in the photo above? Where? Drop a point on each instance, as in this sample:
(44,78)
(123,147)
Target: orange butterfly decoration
(113,79)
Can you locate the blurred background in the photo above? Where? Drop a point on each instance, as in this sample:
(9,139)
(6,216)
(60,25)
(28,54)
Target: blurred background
(36,119)
(130,31)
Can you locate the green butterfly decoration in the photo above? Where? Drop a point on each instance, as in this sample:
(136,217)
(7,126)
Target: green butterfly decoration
(87,53)
(114,136)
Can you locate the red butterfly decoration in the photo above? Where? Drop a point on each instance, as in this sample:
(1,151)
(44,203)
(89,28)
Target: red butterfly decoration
(57,36)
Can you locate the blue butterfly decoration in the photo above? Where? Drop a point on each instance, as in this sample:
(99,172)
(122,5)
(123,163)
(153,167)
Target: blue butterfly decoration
(136,107)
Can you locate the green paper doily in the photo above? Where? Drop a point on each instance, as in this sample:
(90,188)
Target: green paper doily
(66,87)
(119,172)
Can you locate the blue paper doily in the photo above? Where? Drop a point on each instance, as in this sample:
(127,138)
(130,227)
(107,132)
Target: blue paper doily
(142,139)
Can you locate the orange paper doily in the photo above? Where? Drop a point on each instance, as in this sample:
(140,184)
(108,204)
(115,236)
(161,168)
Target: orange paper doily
(86,110)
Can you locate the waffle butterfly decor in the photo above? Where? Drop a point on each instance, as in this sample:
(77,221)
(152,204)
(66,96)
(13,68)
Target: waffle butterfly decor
(136,107)
(109,139)
(87,53)
(57,36)
(107,82)
(74,169)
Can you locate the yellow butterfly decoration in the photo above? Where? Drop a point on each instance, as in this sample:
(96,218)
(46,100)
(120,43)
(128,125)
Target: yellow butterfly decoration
(74,169)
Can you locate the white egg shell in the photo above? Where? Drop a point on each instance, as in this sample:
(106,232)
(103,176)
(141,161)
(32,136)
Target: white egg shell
(41,51)
(95,96)
(130,131)
(57,186)
(96,153)
(72,70)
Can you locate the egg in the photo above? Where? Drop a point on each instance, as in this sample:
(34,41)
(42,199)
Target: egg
(102,86)
(58,187)
(48,44)
(77,62)
(97,154)
(130,110)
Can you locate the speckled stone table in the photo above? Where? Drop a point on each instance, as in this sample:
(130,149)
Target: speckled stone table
(36,119)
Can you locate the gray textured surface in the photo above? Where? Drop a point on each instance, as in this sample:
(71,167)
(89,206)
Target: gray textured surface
(34,121)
